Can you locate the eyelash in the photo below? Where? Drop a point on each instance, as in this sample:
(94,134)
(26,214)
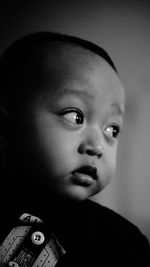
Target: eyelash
(115,131)
(76,117)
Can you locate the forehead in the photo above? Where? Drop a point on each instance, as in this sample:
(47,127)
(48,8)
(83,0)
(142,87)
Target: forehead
(78,72)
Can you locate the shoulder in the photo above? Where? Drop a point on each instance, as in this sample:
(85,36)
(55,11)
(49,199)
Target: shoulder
(117,230)
(108,237)
(108,215)
(111,218)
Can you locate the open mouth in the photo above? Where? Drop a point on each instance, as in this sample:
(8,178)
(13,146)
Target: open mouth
(85,175)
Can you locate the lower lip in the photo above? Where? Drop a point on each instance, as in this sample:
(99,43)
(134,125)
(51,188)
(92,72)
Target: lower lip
(82,179)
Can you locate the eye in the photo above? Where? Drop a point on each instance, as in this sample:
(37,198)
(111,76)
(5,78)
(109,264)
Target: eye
(112,131)
(73,116)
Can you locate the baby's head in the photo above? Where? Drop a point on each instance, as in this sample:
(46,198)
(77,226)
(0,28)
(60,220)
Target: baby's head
(63,102)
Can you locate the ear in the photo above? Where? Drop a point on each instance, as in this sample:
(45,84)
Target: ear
(3,127)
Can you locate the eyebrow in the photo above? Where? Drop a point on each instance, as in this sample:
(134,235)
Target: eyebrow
(76,92)
(118,108)
(85,94)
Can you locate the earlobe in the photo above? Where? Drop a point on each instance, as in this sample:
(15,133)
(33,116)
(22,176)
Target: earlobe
(3,128)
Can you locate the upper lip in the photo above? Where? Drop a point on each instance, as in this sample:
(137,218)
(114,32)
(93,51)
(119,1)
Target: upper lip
(88,170)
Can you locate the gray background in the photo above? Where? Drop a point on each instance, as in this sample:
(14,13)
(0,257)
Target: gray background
(123,29)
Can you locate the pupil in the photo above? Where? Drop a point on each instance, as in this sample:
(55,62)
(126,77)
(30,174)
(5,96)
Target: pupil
(115,131)
(79,119)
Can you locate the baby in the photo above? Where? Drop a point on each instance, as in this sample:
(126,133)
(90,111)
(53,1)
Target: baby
(62,105)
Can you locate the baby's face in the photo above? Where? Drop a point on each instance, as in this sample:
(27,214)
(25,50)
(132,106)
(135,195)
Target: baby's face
(75,122)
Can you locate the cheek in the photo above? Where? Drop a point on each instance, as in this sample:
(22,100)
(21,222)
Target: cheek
(111,158)
(56,145)
(108,166)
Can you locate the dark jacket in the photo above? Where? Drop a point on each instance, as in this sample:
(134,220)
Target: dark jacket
(95,236)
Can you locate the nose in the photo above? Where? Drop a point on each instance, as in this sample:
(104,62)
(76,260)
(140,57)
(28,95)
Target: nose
(92,144)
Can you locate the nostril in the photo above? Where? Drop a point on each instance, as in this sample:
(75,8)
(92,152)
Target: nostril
(97,153)
(91,151)
(100,155)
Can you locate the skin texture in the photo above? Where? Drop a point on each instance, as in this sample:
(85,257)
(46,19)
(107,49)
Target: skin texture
(72,120)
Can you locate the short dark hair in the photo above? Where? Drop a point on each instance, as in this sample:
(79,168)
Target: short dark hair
(18,56)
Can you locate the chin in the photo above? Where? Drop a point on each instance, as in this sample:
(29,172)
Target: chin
(79,193)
